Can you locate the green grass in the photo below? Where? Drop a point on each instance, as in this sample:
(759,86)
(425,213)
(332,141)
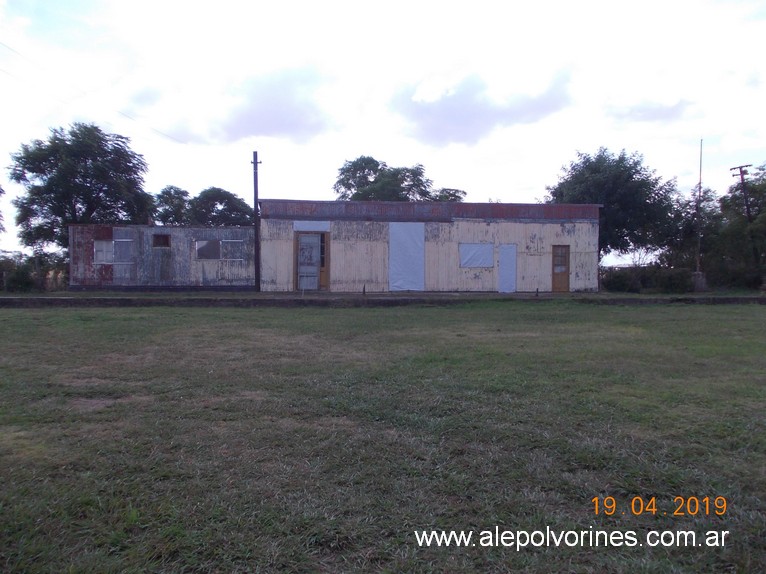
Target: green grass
(319,440)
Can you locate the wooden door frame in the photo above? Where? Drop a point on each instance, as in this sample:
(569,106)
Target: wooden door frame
(561,274)
(324,258)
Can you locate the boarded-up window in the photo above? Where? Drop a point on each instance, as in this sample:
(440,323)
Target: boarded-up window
(228,249)
(103,251)
(117,251)
(209,249)
(232,249)
(161,240)
(476,255)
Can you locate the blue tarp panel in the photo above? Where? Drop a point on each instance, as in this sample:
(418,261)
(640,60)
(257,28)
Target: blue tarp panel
(506,273)
(406,256)
(477,255)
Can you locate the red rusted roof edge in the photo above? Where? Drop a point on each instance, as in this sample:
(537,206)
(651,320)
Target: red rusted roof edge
(422,211)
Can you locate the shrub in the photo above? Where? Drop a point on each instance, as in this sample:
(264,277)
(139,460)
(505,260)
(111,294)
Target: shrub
(652,278)
(20,280)
(621,280)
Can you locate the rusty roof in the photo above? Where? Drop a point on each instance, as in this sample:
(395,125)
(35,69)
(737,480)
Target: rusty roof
(422,211)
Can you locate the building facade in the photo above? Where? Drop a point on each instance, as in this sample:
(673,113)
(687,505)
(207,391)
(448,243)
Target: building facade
(137,256)
(354,247)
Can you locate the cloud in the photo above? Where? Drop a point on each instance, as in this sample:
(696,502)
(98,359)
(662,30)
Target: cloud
(651,112)
(282,104)
(142,99)
(466,114)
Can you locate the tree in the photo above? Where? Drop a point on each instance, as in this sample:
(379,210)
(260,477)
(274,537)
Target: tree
(637,204)
(697,224)
(2,228)
(218,207)
(80,175)
(172,206)
(367,179)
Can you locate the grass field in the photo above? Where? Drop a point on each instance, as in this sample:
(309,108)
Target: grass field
(320,440)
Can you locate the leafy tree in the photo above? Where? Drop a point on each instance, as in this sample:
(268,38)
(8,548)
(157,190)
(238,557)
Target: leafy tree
(637,204)
(367,179)
(218,207)
(2,228)
(80,175)
(172,206)
(696,231)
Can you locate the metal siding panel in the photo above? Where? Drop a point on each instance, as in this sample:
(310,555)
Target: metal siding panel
(277,256)
(359,256)
(443,271)
(222,272)
(359,266)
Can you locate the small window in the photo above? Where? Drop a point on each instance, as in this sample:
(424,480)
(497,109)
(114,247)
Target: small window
(209,249)
(561,259)
(103,251)
(161,240)
(117,251)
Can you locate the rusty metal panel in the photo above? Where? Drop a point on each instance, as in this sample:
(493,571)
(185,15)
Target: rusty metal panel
(359,231)
(421,211)
(360,253)
(83,271)
(137,259)
(236,263)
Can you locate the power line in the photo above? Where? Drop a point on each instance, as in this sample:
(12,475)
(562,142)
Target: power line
(82,95)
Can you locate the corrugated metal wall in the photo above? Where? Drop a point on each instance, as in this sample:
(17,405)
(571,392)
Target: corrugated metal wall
(138,259)
(533,260)
(359,254)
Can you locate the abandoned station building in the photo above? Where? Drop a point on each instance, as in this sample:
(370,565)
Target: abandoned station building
(347,246)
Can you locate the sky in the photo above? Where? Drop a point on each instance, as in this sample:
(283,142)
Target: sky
(493,98)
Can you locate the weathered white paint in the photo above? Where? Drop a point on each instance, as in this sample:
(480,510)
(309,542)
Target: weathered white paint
(320,226)
(359,254)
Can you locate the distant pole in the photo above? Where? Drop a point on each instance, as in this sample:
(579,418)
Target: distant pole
(742,172)
(699,221)
(256,224)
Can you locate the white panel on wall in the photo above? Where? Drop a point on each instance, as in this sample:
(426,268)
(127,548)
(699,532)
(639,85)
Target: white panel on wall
(477,255)
(406,257)
(507,269)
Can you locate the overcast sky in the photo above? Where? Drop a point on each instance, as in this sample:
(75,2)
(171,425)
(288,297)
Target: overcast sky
(491,97)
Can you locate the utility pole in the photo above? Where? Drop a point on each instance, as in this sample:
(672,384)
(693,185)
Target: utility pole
(698,217)
(742,173)
(256,224)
